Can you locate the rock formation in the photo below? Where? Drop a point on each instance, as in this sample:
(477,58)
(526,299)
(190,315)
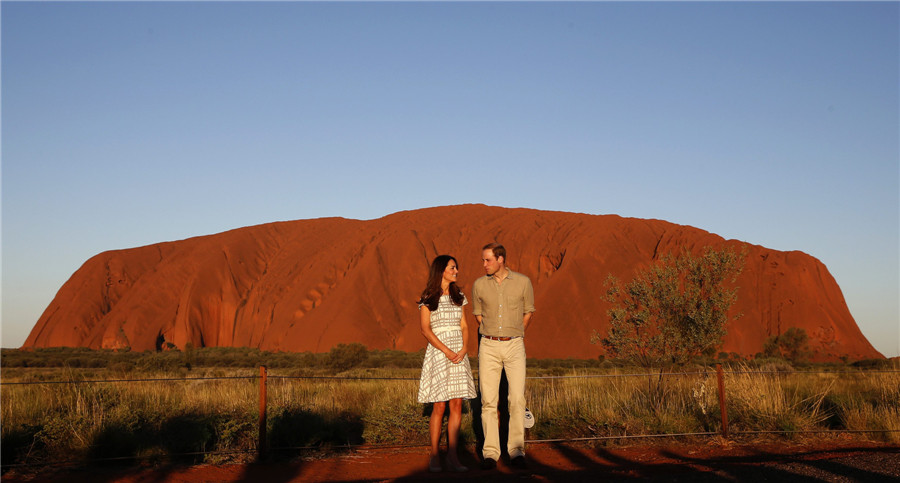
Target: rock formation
(308,285)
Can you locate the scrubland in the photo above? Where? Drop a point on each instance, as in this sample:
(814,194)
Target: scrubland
(204,406)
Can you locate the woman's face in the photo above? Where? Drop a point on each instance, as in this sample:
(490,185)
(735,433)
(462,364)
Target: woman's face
(450,272)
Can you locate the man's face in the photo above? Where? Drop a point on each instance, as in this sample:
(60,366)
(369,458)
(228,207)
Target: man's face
(490,262)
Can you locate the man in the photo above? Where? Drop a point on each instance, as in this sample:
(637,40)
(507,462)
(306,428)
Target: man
(503,303)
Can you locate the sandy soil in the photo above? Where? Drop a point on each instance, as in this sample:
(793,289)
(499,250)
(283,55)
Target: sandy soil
(706,461)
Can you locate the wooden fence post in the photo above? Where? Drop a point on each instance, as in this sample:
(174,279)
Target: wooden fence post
(721,379)
(262,412)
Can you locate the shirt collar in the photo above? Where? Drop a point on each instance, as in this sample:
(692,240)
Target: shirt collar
(508,275)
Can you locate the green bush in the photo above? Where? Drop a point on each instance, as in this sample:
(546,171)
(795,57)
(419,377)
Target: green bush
(792,345)
(346,356)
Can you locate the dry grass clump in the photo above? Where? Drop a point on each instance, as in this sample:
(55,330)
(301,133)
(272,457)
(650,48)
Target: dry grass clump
(776,401)
(623,406)
(797,401)
(83,421)
(868,402)
(338,412)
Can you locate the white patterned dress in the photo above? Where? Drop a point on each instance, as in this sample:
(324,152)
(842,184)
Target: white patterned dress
(441,379)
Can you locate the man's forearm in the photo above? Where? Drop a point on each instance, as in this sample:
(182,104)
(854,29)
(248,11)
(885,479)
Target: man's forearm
(526,320)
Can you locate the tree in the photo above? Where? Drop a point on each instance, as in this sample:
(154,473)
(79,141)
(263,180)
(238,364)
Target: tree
(189,355)
(674,310)
(792,345)
(346,356)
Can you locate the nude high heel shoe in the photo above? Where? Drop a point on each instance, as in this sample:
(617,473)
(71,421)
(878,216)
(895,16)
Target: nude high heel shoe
(456,468)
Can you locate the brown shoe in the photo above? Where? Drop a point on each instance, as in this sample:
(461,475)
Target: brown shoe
(488,464)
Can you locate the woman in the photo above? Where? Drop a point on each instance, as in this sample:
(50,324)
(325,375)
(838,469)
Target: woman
(446,375)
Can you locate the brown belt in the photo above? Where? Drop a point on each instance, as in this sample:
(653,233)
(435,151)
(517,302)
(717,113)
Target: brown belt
(501,339)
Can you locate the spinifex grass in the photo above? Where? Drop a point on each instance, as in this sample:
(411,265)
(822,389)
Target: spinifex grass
(61,422)
(622,405)
(89,421)
(336,412)
(797,401)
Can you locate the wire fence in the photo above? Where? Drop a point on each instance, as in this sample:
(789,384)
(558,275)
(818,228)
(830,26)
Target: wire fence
(263,449)
(377,378)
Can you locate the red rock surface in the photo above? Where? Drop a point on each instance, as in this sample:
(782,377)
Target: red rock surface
(308,285)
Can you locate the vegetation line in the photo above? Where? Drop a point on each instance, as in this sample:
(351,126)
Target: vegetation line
(158,379)
(867,371)
(348,378)
(639,374)
(369,378)
(815,431)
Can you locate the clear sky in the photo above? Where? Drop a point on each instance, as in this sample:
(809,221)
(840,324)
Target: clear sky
(126,124)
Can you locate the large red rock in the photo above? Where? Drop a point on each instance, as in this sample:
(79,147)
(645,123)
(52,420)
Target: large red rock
(308,285)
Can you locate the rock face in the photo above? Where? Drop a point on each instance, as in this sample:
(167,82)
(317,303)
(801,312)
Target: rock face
(308,285)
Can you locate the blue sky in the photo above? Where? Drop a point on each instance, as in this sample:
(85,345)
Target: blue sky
(126,124)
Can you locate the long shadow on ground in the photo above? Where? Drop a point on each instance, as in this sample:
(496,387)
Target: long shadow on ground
(114,454)
(577,465)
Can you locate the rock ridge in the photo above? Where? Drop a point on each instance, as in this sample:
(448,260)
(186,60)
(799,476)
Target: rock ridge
(308,285)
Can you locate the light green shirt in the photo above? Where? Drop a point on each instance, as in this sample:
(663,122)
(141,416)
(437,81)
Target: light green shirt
(502,306)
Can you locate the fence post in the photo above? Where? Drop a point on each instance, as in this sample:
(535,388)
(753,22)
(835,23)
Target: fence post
(721,379)
(262,412)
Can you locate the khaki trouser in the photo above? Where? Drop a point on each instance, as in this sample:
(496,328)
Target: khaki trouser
(493,357)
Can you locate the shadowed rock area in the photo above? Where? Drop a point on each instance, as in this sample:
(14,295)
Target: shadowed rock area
(308,285)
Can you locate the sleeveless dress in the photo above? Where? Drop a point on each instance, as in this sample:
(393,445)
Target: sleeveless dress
(441,379)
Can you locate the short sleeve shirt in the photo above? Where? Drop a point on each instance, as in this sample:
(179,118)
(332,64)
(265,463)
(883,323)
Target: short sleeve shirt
(502,306)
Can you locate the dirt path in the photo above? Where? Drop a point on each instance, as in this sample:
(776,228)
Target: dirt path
(705,461)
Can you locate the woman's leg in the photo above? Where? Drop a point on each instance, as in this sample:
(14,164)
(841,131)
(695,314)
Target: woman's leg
(453,423)
(434,427)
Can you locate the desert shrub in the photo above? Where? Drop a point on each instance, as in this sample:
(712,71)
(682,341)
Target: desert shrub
(18,442)
(792,345)
(345,356)
(396,423)
(188,432)
(34,362)
(394,359)
(117,439)
(123,367)
(674,310)
(565,363)
(834,407)
(875,364)
(235,433)
(768,364)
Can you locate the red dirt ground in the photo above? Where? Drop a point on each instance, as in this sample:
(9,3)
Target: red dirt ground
(718,460)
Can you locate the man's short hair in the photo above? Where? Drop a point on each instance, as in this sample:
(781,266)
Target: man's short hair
(497,249)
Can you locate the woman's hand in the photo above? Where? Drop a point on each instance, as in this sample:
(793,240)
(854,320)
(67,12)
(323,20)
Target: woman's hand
(454,357)
(461,355)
